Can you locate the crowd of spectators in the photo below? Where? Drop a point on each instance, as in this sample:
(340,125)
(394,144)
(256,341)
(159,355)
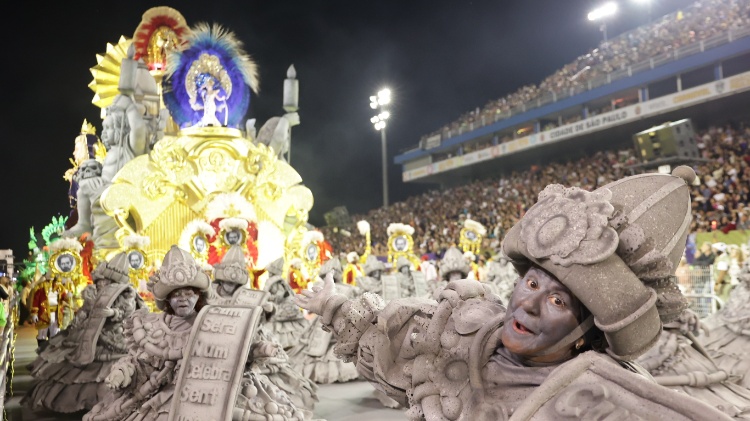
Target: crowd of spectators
(721,198)
(702,20)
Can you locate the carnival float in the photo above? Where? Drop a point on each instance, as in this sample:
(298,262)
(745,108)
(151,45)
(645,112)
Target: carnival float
(178,162)
(179,192)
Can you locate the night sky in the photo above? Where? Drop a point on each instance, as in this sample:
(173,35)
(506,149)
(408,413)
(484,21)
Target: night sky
(439,58)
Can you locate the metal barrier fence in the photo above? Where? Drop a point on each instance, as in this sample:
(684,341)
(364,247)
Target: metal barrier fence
(697,284)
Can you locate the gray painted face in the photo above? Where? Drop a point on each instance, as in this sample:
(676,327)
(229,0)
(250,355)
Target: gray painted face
(542,311)
(183,301)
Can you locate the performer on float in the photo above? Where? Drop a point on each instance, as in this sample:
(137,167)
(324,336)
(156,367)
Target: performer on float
(502,276)
(584,309)
(128,131)
(69,374)
(297,279)
(49,298)
(352,270)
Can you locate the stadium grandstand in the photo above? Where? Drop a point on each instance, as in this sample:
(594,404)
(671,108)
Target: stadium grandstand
(691,64)
(577,127)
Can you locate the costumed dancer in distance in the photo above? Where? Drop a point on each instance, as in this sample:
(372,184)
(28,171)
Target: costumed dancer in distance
(69,374)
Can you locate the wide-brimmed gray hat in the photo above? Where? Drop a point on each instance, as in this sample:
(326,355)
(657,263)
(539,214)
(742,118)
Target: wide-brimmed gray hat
(233,267)
(178,270)
(453,261)
(615,248)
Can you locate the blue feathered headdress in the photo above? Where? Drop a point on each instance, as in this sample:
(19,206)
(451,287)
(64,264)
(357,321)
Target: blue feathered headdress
(209,82)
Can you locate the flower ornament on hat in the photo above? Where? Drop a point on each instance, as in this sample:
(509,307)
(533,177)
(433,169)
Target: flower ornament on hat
(615,248)
(178,270)
(233,267)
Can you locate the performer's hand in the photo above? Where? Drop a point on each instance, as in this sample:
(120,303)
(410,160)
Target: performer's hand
(118,378)
(102,312)
(34,318)
(690,322)
(314,301)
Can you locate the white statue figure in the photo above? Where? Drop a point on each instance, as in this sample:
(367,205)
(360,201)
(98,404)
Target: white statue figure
(276,133)
(69,374)
(126,133)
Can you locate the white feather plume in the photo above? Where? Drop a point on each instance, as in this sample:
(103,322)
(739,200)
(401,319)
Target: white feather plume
(312,237)
(229,224)
(363,227)
(400,228)
(196,226)
(475,226)
(220,205)
(135,241)
(65,243)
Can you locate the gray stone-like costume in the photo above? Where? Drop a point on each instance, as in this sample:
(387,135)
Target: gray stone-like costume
(69,374)
(287,323)
(268,361)
(446,359)
(404,276)
(728,341)
(155,343)
(314,355)
(452,266)
(502,274)
(373,269)
(678,362)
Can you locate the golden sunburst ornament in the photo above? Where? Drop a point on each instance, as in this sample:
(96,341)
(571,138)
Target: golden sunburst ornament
(107,73)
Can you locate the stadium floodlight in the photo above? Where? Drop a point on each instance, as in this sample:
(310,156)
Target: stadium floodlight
(604,11)
(378,102)
(601,13)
